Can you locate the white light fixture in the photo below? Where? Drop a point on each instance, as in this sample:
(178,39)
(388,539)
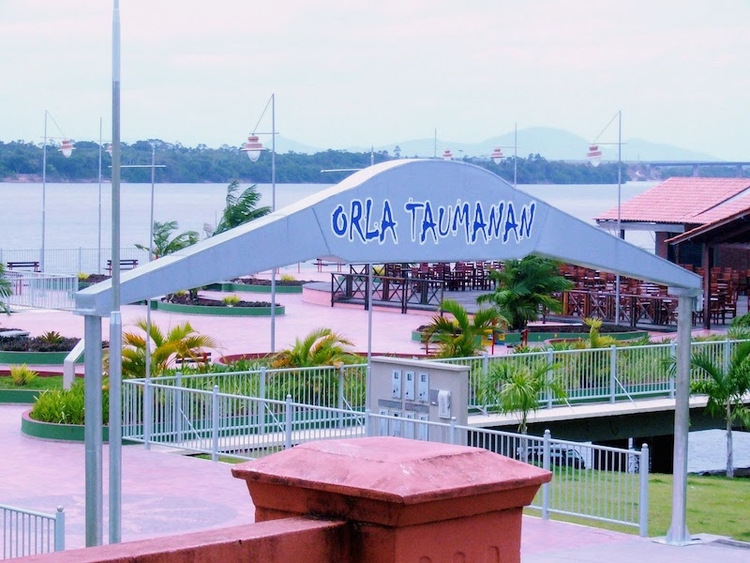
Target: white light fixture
(252,148)
(594,156)
(497,155)
(447,154)
(66,148)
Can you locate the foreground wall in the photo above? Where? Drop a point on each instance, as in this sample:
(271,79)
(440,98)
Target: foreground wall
(366,500)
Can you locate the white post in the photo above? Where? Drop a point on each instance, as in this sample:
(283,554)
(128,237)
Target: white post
(678,533)
(44,191)
(115,337)
(93,430)
(273,208)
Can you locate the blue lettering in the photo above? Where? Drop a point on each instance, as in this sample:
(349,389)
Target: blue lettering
(355,219)
(479,223)
(412,207)
(443,214)
(387,223)
(428,224)
(495,222)
(527,219)
(510,223)
(339,221)
(461,215)
(370,233)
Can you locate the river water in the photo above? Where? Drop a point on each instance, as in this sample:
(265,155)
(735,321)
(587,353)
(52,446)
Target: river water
(72,211)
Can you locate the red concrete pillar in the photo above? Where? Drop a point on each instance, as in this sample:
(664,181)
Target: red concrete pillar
(408,500)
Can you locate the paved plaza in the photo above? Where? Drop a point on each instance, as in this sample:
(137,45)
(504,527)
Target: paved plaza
(165,494)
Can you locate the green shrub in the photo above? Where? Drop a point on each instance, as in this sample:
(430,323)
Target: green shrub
(230,300)
(65,406)
(288,278)
(22,375)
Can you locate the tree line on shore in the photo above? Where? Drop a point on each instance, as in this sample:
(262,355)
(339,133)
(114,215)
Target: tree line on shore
(21,160)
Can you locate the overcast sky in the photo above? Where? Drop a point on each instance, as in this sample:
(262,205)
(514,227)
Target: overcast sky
(355,73)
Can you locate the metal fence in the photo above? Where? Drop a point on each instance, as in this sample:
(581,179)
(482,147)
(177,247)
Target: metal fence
(72,260)
(41,290)
(600,374)
(26,532)
(593,482)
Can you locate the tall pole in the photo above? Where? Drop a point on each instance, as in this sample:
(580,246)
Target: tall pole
(44,190)
(150,258)
(273,208)
(515,154)
(99,228)
(115,364)
(619,204)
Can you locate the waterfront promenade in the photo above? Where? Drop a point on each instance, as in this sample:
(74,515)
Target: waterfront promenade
(166,494)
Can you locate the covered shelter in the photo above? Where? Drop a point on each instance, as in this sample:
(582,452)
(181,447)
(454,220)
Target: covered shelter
(701,224)
(407,210)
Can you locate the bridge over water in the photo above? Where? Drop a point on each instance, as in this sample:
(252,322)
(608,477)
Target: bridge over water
(648,421)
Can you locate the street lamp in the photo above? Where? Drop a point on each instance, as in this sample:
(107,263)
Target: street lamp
(594,156)
(66,148)
(497,155)
(253,148)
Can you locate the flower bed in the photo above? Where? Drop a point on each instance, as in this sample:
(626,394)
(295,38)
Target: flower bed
(48,349)
(205,306)
(258,285)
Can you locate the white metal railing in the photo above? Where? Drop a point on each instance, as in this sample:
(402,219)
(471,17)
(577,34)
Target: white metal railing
(600,374)
(72,260)
(26,532)
(594,482)
(41,290)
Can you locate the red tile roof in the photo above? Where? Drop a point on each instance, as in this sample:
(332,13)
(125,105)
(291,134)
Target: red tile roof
(685,200)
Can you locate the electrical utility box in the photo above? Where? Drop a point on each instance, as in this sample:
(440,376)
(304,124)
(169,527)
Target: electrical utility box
(412,393)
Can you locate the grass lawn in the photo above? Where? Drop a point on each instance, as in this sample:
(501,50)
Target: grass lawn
(39,382)
(715,505)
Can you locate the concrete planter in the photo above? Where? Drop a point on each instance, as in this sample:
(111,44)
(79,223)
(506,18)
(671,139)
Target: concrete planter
(19,396)
(218,310)
(515,337)
(35,358)
(257,288)
(52,431)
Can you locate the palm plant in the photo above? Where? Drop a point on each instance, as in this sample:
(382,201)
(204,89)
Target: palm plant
(524,287)
(182,342)
(5,291)
(321,347)
(163,244)
(518,388)
(726,387)
(240,209)
(461,335)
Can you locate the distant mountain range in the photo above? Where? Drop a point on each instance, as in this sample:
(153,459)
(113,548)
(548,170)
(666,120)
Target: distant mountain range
(552,144)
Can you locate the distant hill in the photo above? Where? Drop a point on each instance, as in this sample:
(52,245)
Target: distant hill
(552,144)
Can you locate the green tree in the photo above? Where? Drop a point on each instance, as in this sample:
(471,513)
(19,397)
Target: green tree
(163,244)
(460,335)
(524,287)
(240,209)
(321,347)
(726,388)
(182,341)
(5,291)
(514,388)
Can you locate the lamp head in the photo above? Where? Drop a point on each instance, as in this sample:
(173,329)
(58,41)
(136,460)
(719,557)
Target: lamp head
(594,156)
(66,148)
(252,148)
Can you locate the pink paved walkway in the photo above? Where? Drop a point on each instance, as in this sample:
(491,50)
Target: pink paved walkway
(166,494)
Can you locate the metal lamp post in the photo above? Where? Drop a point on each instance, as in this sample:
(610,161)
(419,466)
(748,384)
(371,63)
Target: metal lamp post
(497,155)
(253,148)
(594,156)
(66,148)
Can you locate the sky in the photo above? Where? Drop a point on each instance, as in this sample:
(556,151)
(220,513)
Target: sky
(349,73)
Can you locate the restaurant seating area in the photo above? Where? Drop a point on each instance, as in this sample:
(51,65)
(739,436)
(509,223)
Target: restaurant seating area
(457,276)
